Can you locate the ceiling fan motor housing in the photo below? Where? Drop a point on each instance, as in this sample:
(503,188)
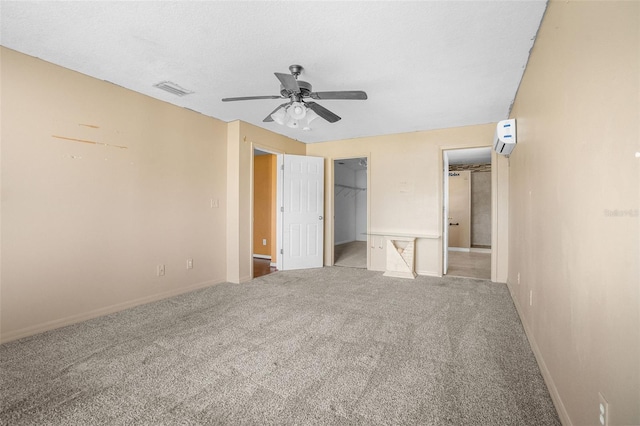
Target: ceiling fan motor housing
(305,90)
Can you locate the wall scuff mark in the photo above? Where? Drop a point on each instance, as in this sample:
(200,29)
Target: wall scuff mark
(90,142)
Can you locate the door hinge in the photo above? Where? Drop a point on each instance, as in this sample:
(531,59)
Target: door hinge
(281,166)
(281,251)
(282,209)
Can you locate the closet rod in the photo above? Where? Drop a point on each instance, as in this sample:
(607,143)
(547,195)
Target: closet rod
(350,187)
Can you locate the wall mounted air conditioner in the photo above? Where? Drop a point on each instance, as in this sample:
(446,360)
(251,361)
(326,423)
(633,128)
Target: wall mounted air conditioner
(505,139)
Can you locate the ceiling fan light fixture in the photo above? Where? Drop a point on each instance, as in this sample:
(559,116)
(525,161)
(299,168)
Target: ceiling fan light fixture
(279,116)
(293,123)
(297,110)
(311,115)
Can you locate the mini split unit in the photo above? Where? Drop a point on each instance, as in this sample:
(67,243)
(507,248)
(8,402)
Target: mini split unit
(505,139)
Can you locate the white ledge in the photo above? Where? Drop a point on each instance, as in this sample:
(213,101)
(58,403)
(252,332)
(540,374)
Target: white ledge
(404,234)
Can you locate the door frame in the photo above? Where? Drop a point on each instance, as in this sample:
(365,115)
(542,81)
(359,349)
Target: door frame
(278,154)
(445,212)
(330,199)
(444,198)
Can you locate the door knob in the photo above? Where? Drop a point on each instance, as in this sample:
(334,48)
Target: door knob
(454,224)
(320,218)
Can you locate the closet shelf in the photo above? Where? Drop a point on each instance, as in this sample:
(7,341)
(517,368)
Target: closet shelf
(349,187)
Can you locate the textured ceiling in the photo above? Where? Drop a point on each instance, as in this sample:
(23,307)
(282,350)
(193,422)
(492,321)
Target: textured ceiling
(469,156)
(425,65)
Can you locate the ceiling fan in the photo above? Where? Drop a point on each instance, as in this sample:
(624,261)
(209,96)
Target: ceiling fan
(297,111)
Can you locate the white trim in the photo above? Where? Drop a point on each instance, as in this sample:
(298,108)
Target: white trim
(467,250)
(345,242)
(74,319)
(406,234)
(262,256)
(546,375)
(428,274)
(479,250)
(273,264)
(279,205)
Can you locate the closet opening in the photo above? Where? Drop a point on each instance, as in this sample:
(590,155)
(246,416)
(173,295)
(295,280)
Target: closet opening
(350,212)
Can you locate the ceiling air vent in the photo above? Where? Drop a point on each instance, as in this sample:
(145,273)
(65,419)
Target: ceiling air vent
(173,88)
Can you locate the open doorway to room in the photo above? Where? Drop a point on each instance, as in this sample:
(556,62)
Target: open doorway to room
(264,213)
(350,212)
(467,221)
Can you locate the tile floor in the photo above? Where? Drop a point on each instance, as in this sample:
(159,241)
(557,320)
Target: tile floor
(469,264)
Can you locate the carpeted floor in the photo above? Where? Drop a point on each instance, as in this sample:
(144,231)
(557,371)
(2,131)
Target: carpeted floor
(322,346)
(352,255)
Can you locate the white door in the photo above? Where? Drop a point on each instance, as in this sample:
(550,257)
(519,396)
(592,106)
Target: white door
(445,219)
(460,209)
(302,212)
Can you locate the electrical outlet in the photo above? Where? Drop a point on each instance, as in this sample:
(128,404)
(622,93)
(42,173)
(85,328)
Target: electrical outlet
(264,241)
(530,297)
(189,263)
(215,203)
(603,410)
(160,270)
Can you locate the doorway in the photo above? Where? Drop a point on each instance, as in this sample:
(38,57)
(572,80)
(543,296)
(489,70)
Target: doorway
(264,213)
(467,206)
(350,212)
(287,206)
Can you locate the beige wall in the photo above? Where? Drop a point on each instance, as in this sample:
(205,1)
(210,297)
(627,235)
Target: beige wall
(574,167)
(99,186)
(405,188)
(241,141)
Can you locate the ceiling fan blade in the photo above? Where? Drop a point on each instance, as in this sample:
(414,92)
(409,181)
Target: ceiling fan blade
(289,82)
(250,98)
(322,112)
(345,94)
(268,118)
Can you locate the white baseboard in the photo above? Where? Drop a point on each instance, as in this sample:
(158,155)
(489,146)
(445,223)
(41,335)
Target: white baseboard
(459,249)
(273,264)
(546,375)
(337,243)
(428,273)
(73,319)
(262,256)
